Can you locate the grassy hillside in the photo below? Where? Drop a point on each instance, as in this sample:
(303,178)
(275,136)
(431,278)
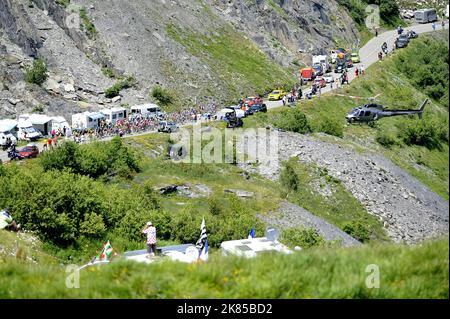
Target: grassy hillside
(399,87)
(416,272)
(242,67)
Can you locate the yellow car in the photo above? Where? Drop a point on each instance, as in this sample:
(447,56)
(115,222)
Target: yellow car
(355,57)
(276,95)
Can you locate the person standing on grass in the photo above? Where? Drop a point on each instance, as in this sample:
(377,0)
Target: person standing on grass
(150,231)
(433,25)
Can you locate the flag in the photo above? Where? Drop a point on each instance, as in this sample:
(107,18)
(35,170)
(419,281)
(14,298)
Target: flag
(106,253)
(201,241)
(252,233)
(204,252)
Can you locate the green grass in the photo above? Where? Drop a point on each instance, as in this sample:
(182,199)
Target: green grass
(241,66)
(415,272)
(326,197)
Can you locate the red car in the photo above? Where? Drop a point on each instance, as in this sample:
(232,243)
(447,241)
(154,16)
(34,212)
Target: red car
(29,151)
(320,82)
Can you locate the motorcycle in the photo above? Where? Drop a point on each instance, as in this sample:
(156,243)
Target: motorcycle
(14,155)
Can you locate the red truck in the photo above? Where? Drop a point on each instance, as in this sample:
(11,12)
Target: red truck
(307,74)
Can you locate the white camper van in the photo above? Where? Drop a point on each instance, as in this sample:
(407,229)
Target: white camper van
(147,110)
(40,122)
(7,138)
(115,114)
(425,15)
(27,132)
(87,120)
(323,61)
(59,122)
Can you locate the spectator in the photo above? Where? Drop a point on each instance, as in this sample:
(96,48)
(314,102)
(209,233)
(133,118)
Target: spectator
(433,25)
(380,55)
(443,24)
(150,231)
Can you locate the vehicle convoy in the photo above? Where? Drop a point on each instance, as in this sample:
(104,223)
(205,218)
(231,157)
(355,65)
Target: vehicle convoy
(425,15)
(373,112)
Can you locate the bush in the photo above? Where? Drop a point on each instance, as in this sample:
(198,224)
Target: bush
(114,90)
(428,132)
(357,230)
(288,176)
(86,24)
(385,139)
(305,238)
(94,160)
(163,96)
(293,120)
(108,72)
(331,126)
(37,74)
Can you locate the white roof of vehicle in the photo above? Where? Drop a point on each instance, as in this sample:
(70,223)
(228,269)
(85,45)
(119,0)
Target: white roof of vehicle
(114,109)
(7,125)
(59,119)
(251,247)
(39,119)
(144,106)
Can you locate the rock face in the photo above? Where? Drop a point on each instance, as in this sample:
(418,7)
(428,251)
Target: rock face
(409,211)
(132,38)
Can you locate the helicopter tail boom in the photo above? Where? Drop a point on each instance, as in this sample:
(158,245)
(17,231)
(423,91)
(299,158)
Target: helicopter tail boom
(422,107)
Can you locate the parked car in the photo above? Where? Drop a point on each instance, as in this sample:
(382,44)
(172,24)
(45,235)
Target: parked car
(276,95)
(328,78)
(320,82)
(29,151)
(355,57)
(167,127)
(259,108)
(401,42)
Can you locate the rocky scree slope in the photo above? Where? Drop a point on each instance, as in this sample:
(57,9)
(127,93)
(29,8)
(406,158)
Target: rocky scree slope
(410,212)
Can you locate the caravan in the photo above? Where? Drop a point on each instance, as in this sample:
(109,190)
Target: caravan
(59,123)
(115,114)
(146,110)
(425,15)
(322,60)
(87,120)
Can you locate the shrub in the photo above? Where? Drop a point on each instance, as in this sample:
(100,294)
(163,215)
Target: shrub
(108,72)
(37,74)
(93,160)
(357,230)
(288,176)
(86,25)
(293,120)
(163,96)
(331,126)
(429,132)
(385,139)
(125,83)
(305,238)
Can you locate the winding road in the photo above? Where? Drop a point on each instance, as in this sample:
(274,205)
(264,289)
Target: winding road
(368,55)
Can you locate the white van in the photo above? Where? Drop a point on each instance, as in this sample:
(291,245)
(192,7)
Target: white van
(115,114)
(27,132)
(425,15)
(147,110)
(59,123)
(7,127)
(87,120)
